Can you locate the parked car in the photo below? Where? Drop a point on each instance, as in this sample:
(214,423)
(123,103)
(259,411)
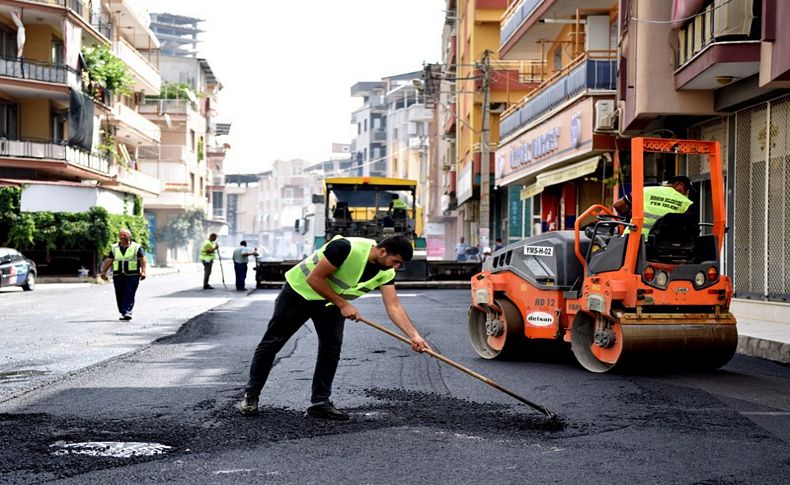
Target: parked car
(16,270)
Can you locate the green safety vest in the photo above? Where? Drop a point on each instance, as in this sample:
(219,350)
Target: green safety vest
(125,263)
(205,256)
(660,201)
(345,280)
(399,204)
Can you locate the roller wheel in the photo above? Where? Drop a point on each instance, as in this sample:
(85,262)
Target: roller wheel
(495,335)
(597,342)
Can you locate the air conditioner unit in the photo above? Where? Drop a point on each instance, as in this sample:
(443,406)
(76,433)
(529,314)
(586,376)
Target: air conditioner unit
(732,17)
(604,115)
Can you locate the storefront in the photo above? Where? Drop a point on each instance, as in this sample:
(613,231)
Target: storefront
(558,167)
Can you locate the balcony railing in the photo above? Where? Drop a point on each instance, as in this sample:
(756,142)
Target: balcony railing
(38,71)
(729,22)
(163,152)
(166,106)
(585,74)
(218,212)
(515,17)
(140,180)
(54,150)
(143,69)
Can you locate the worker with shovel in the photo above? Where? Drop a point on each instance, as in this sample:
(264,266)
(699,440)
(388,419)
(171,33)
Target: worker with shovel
(319,288)
(208,251)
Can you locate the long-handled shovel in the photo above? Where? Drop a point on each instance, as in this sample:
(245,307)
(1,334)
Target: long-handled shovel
(458,366)
(221,270)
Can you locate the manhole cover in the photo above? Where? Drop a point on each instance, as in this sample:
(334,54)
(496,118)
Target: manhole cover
(121,449)
(20,375)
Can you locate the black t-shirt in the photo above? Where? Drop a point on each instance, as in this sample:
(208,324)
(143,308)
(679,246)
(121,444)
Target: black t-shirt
(337,252)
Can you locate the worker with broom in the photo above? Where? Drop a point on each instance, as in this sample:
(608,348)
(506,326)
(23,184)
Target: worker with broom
(319,288)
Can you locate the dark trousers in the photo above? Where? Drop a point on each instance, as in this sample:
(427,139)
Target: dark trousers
(291,311)
(125,288)
(206,271)
(241,274)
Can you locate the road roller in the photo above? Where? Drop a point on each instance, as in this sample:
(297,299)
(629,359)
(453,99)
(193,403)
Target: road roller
(619,297)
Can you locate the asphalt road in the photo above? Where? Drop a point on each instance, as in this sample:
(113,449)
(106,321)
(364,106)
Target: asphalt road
(413,419)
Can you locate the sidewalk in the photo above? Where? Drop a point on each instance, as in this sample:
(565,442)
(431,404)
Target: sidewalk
(763,329)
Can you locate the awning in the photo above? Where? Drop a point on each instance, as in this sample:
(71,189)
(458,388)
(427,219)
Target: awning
(560,175)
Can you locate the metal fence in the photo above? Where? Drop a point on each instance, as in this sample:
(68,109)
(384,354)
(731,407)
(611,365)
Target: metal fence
(761,204)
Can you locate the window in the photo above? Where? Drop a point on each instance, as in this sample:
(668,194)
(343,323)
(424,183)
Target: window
(359,128)
(366,155)
(58,125)
(192,140)
(295,171)
(365,126)
(57,52)
(9,121)
(7,43)
(288,193)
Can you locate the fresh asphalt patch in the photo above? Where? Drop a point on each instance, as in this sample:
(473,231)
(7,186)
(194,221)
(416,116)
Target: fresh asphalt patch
(41,446)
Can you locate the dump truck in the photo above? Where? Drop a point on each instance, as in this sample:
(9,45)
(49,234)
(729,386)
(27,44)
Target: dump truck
(367,207)
(617,297)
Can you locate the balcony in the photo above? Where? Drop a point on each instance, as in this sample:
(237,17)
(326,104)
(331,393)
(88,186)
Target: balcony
(137,181)
(718,46)
(218,213)
(175,200)
(42,72)
(179,107)
(528,24)
(134,127)
(515,17)
(583,76)
(146,76)
(134,23)
(164,153)
(54,157)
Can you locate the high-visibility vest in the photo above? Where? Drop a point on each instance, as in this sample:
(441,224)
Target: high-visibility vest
(399,204)
(206,256)
(125,263)
(345,280)
(660,201)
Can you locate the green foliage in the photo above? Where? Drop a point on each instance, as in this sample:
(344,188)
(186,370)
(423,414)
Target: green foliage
(183,228)
(95,229)
(138,206)
(106,71)
(177,91)
(200,144)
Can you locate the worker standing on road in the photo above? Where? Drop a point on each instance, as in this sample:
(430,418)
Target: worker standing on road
(319,288)
(128,268)
(241,257)
(659,201)
(208,251)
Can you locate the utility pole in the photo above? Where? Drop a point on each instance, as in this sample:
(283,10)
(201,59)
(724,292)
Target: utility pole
(485,167)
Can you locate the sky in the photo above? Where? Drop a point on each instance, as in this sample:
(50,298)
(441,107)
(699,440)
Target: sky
(287,66)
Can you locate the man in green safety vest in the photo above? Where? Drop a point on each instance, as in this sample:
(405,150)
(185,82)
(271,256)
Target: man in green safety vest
(208,251)
(659,201)
(320,289)
(128,268)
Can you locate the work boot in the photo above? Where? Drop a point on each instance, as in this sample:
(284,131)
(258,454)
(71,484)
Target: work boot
(208,287)
(249,405)
(327,410)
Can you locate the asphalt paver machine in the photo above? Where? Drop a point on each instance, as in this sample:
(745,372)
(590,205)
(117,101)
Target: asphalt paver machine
(617,297)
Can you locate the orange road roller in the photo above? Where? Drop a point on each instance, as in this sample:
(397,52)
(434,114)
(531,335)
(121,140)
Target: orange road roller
(618,296)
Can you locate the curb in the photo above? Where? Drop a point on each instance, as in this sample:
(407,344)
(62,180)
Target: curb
(764,349)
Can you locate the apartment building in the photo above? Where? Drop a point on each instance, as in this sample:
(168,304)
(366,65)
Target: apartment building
(189,160)
(719,70)
(283,193)
(479,74)
(369,143)
(556,143)
(71,143)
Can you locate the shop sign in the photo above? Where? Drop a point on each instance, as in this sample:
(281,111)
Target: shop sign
(464,188)
(567,134)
